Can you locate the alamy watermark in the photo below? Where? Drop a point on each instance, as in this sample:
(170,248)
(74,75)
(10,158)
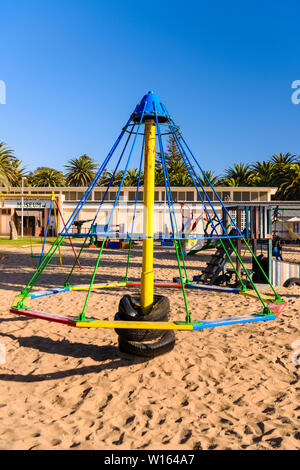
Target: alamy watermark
(296,94)
(2,92)
(2,353)
(296,354)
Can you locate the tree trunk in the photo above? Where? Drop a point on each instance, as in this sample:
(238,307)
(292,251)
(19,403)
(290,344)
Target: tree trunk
(13,235)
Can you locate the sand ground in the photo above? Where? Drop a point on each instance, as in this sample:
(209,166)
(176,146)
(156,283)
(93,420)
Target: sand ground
(68,388)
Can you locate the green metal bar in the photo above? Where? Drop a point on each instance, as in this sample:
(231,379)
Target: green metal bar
(82,315)
(232,264)
(66,284)
(266,308)
(25,292)
(268,280)
(188,317)
(184,266)
(128,259)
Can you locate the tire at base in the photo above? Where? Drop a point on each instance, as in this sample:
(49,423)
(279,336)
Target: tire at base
(165,344)
(292,281)
(139,335)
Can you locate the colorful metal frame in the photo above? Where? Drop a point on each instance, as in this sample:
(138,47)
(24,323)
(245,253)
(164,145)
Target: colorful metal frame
(275,307)
(151,112)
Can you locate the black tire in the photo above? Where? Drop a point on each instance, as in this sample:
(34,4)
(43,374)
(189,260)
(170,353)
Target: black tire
(130,309)
(292,281)
(139,335)
(150,350)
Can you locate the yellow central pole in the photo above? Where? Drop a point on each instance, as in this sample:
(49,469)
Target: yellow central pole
(147,278)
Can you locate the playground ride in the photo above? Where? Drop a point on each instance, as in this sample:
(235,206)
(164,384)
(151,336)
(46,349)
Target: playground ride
(142,321)
(285,273)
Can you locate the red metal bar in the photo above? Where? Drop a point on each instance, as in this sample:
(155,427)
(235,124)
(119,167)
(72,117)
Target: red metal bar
(76,257)
(44,316)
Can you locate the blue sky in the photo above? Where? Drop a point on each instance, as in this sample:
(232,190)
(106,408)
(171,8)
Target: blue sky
(74,70)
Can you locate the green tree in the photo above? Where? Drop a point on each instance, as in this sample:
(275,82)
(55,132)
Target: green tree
(284,158)
(215,180)
(238,175)
(18,173)
(263,173)
(132,177)
(47,177)
(80,171)
(176,168)
(289,188)
(6,159)
(109,177)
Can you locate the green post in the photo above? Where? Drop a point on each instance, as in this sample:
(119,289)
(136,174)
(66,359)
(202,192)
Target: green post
(82,315)
(270,246)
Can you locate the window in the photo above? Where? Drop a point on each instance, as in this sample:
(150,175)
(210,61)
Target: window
(131,195)
(254,196)
(72,196)
(190,196)
(246,196)
(296,227)
(226,196)
(98,195)
(67,195)
(156,196)
(198,196)
(79,195)
(181,196)
(237,196)
(210,196)
(174,195)
(263,196)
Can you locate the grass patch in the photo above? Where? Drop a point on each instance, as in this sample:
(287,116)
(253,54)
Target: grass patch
(27,241)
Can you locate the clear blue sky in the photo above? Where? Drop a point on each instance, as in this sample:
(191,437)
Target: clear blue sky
(75,69)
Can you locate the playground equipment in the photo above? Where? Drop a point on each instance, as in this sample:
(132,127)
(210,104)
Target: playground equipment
(145,317)
(285,273)
(277,218)
(53,206)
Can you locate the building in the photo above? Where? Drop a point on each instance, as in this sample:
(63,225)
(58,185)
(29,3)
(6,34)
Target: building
(36,203)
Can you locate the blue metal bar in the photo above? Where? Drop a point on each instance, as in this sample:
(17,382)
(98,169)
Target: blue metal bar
(185,159)
(156,236)
(111,179)
(197,163)
(165,171)
(232,321)
(125,170)
(212,206)
(46,232)
(138,185)
(94,181)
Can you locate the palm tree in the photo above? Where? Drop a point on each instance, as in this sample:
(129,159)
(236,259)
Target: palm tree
(47,177)
(18,173)
(290,183)
(281,164)
(284,158)
(209,175)
(80,171)
(132,177)
(6,159)
(263,173)
(111,178)
(240,175)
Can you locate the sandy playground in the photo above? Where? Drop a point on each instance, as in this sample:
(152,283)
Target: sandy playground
(70,388)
